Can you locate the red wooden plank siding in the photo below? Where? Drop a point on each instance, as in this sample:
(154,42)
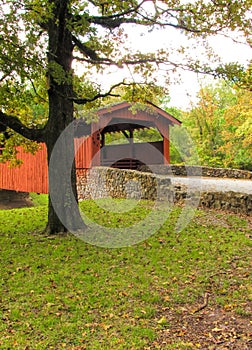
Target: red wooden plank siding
(83,156)
(31,176)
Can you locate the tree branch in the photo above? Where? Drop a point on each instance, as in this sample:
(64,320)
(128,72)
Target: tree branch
(111,21)
(15,124)
(6,75)
(114,21)
(127,61)
(171,17)
(87,51)
(82,101)
(124,13)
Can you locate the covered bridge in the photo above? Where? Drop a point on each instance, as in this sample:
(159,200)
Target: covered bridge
(92,150)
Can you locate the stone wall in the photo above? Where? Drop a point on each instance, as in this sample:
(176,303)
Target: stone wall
(235,202)
(100,182)
(181,170)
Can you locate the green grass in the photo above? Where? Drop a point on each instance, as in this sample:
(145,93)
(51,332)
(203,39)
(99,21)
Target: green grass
(39,199)
(60,292)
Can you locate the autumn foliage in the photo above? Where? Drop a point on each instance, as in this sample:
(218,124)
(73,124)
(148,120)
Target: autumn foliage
(221,126)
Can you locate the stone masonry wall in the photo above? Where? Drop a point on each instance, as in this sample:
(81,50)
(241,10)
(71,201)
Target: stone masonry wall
(235,202)
(191,170)
(100,182)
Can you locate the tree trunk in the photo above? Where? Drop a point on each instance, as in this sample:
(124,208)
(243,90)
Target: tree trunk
(63,213)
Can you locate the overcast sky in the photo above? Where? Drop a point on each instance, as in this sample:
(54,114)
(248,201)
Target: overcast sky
(181,94)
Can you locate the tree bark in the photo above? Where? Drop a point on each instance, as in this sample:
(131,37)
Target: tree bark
(63,213)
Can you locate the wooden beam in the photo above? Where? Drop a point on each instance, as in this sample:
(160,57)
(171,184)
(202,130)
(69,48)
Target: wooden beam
(132,148)
(125,134)
(166,147)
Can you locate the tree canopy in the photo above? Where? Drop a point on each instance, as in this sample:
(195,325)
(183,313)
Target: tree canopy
(220,124)
(45,43)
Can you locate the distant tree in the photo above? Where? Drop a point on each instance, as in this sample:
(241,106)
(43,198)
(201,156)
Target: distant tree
(246,79)
(237,133)
(41,39)
(220,124)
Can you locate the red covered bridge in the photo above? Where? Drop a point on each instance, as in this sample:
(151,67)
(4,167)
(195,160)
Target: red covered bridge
(32,175)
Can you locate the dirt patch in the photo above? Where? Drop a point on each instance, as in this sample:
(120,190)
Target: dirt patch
(212,328)
(215,217)
(207,325)
(13,199)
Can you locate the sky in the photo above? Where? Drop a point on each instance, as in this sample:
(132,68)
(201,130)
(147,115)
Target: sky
(185,92)
(182,95)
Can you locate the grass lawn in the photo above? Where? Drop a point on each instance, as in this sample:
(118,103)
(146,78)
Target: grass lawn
(191,290)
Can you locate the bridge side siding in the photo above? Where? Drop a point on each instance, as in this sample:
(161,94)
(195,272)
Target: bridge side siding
(31,176)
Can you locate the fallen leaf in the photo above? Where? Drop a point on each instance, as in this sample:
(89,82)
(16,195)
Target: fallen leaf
(216,329)
(162,320)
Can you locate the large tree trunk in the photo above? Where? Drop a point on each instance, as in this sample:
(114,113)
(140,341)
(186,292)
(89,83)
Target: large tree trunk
(63,211)
(63,214)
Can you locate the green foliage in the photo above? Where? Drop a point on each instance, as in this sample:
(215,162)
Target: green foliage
(145,135)
(10,150)
(100,40)
(58,73)
(245,81)
(30,103)
(220,125)
(183,149)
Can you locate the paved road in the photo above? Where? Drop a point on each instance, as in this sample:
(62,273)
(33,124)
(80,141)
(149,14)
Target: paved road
(214,184)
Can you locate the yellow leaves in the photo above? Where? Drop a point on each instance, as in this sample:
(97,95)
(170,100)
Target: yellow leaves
(106,326)
(162,321)
(221,125)
(244,131)
(93,326)
(216,329)
(123,293)
(15,343)
(238,132)
(229,307)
